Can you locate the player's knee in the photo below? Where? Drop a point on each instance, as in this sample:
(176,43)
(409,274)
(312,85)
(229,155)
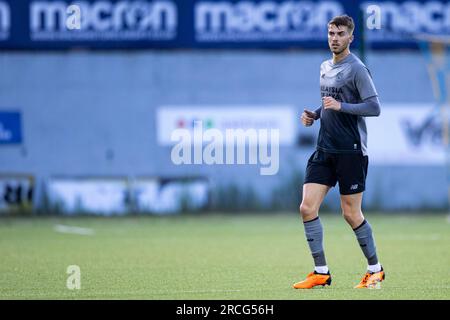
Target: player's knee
(346,214)
(351,214)
(307,210)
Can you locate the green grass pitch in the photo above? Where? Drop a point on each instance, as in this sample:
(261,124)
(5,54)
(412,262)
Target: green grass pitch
(219,256)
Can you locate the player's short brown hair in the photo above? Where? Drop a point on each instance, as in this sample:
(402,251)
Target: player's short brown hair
(343,20)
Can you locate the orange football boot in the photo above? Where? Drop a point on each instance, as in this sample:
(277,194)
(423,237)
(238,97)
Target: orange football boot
(371,279)
(314,279)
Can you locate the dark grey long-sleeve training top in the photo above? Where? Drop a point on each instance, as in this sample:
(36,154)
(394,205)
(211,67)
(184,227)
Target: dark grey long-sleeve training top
(348,81)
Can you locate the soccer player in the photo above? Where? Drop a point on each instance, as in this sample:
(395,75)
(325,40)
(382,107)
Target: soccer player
(348,95)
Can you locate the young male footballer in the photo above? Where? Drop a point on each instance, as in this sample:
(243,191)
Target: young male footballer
(348,95)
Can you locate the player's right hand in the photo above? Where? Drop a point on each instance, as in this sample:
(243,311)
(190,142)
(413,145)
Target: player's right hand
(308,117)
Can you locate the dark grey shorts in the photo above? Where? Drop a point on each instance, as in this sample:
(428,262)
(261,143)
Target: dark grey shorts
(349,169)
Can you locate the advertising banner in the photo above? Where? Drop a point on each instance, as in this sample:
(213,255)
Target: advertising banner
(91,195)
(406,134)
(163,196)
(16,192)
(117,196)
(222,118)
(284,24)
(10,128)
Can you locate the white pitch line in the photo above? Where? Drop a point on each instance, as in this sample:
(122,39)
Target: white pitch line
(73,230)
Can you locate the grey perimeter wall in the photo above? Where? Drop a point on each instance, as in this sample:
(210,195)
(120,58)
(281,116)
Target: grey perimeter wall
(93,113)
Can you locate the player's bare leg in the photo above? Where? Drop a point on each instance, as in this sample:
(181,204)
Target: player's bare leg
(351,210)
(313,195)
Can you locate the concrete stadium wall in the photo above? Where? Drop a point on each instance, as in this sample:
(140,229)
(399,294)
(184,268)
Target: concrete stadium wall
(93,113)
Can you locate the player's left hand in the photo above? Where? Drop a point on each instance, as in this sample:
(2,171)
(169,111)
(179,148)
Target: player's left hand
(331,103)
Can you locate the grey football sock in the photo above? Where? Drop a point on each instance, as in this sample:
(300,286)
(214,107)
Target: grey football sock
(314,236)
(366,242)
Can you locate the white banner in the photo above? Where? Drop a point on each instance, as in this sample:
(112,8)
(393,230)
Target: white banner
(106,196)
(283,118)
(406,134)
(99,196)
(172,196)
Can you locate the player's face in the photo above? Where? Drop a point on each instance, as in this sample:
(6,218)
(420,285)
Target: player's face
(339,38)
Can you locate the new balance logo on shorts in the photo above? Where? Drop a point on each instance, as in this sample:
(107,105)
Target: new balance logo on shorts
(354,187)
